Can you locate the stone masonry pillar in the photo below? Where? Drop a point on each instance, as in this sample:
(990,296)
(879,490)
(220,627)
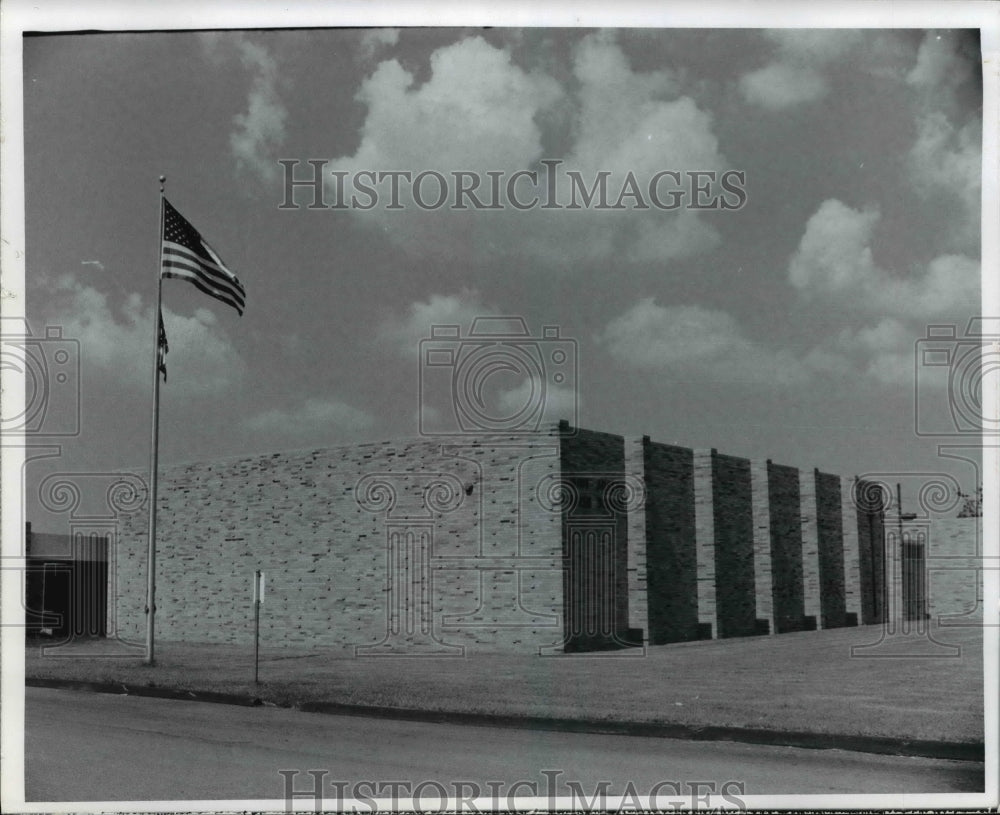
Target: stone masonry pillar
(638,609)
(705,539)
(810,547)
(763,589)
(852,553)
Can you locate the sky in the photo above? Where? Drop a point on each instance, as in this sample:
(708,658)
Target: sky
(787,325)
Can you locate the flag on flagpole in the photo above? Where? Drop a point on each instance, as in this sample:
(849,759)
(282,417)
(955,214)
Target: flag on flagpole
(164,348)
(187,256)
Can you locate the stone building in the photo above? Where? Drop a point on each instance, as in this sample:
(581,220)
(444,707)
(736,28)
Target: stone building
(565,539)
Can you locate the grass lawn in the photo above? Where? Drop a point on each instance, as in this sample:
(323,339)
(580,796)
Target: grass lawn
(803,682)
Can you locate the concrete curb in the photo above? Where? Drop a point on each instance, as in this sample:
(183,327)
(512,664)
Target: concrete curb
(122,689)
(882,745)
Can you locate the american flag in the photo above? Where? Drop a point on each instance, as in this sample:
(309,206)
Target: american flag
(187,256)
(163,349)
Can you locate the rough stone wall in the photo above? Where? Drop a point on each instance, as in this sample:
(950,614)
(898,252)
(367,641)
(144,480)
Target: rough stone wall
(810,550)
(594,463)
(734,568)
(727,544)
(829,522)
(728,541)
(704,529)
(500,588)
(871,565)
(347,539)
(467,544)
(852,553)
(638,565)
(955,570)
(786,547)
(762,566)
(671,564)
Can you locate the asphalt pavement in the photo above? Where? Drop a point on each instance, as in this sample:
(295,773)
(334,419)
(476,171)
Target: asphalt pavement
(83,746)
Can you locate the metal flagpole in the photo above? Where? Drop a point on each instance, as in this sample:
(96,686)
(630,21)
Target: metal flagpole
(154,442)
(257,591)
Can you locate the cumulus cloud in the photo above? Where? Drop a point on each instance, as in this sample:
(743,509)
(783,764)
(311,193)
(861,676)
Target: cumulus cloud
(948,159)
(480,112)
(476,112)
(946,166)
(818,46)
(534,393)
(116,342)
(834,265)
(310,419)
(779,85)
(834,254)
(697,342)
(375,40)
(260,131)
(940,67)
(708,345)
(624,115)
(945,161)
(797,75)
(636,123)
(884,351)
(834,260)
(681,236)
(949,282)
(405,332)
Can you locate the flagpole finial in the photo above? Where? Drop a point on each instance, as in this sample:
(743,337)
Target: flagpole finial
(163,180)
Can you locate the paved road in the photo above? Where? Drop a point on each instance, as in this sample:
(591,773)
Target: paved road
(83,746)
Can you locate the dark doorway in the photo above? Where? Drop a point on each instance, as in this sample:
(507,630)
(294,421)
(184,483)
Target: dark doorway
(66,588)
(914,567)
(589,582)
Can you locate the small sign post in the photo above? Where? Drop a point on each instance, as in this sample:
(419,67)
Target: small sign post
(258,598)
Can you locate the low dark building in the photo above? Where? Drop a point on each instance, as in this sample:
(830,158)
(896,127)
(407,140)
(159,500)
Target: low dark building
(66,585)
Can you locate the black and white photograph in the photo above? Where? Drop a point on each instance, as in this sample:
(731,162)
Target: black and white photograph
(465,408)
